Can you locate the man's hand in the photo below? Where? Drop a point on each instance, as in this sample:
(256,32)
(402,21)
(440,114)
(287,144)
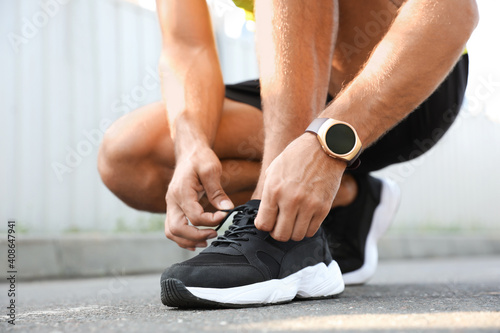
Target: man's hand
(299,188)
(196,173)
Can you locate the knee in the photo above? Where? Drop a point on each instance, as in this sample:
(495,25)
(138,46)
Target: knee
(113,155)
(127,170)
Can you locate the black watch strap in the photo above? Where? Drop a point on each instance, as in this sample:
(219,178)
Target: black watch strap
(355,163)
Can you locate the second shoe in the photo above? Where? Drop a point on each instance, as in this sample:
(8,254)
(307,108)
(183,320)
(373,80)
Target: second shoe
(353,231)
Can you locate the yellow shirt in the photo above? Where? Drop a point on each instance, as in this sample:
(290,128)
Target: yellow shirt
(247,6)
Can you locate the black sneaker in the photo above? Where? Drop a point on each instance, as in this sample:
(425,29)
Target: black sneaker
(247,267)
(353,231)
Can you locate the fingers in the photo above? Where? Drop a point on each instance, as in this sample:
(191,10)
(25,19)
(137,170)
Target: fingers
(268,212)
(193,210)
(210,176)
(318,217)
(287,216)
(290,214)
(302,224)
(297,223)
(185,235)
(316,222)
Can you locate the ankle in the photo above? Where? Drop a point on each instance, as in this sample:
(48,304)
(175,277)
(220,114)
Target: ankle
(347,193)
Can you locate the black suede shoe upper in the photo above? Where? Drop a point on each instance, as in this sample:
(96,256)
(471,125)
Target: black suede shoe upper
(347,227)
(246,255)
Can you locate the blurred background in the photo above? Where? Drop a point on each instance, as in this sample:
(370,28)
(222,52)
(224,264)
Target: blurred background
(69,68)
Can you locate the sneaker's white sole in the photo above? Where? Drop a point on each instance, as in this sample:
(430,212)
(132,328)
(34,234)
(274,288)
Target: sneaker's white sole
(382,219)
(311,282)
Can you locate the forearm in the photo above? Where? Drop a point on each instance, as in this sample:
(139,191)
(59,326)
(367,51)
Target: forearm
(409,63)
(192,85)
(295,45)
(193,91)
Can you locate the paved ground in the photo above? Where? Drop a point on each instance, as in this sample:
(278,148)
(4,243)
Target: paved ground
(433,295)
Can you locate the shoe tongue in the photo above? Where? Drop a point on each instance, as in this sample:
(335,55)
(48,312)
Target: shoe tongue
(253,203)
(241,221)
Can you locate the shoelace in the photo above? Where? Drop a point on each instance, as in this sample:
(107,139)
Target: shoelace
(235,233)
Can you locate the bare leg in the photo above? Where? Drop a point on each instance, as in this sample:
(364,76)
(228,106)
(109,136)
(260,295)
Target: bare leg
(347,192)
(137,160)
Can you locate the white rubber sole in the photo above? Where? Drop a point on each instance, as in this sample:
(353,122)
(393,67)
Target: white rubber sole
(311,282)
(382,219)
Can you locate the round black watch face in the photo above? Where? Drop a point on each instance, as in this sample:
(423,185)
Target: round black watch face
(340,139)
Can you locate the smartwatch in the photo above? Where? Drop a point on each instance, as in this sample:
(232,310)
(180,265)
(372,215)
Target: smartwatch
(338,139)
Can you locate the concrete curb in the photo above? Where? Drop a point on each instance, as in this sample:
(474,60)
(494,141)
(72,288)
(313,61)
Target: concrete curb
(429,246)
(70,256)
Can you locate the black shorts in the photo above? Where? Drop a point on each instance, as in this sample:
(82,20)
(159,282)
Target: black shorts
(413,136)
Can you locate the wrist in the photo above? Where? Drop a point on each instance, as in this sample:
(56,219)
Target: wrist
(320,155)
(190,144)
(189,137)
(189,149)
(338,140)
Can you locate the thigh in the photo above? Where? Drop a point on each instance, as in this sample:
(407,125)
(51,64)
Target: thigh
(423,128)
(241,132)
(137,156)
(144,134)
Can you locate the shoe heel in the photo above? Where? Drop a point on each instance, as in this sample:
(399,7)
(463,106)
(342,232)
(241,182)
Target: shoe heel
(382,219)
(321,281)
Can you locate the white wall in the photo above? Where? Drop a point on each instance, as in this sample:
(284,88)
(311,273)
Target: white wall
(73,72)
(60,85)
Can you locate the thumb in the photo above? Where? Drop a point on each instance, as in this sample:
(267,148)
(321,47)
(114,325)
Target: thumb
(215,193)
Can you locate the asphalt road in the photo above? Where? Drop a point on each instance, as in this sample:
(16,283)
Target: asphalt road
(461,294)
